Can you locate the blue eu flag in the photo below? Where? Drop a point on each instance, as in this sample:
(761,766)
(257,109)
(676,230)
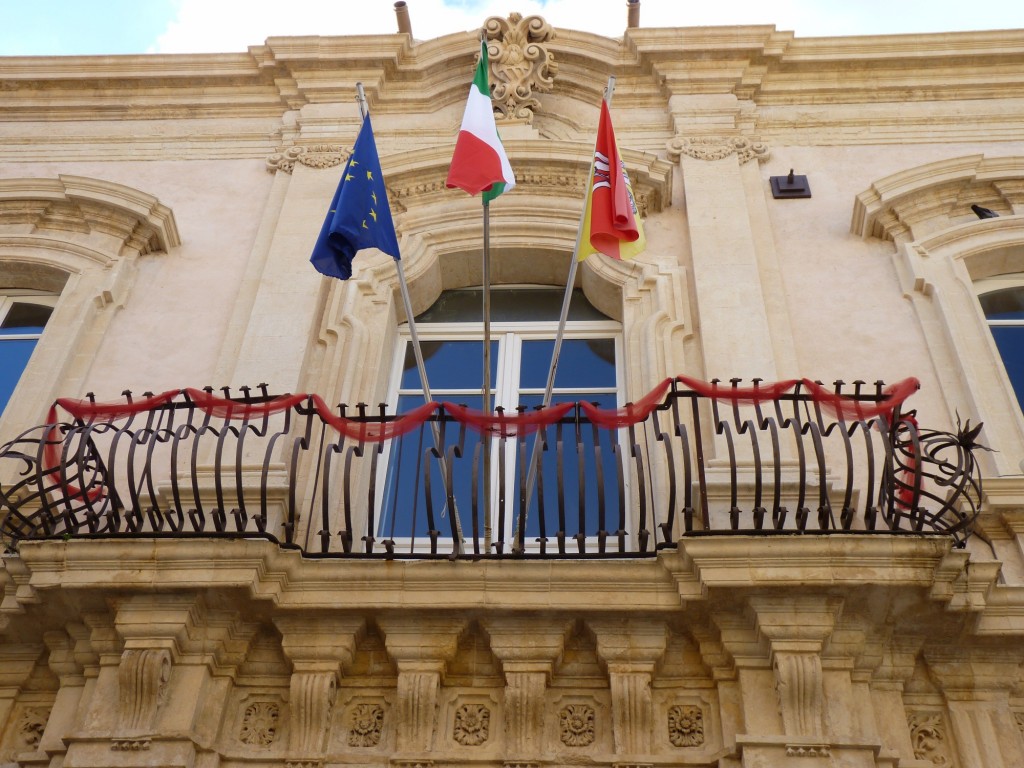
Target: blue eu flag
(359,216)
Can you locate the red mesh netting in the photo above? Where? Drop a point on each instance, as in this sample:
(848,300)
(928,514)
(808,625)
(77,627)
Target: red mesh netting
(507,425)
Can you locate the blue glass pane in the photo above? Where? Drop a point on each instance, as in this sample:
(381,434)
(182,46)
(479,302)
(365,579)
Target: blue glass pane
(1010,341)
(404,510)
(582,363)
(14,355)
(589,471)
(450,365)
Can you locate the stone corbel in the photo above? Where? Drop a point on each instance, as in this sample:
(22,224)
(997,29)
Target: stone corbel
(527,652)
(796,629)
(421,646)
(630,648)
(718,148)
(143,676)
(319,647)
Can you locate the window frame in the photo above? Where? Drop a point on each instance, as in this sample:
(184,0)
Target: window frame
(509,335)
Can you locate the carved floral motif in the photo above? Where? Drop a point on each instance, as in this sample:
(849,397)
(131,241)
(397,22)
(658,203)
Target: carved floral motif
(367,721)
(31,724)
(576,725)
(472,724)
(928,735)
(685,725)
(520,63)
(315,156)
(717,148)
(260,724)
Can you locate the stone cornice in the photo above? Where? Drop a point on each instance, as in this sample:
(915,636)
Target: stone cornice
(82,204)
(936,196)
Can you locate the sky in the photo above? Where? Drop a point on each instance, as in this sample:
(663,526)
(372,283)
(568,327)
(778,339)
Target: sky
(88,27)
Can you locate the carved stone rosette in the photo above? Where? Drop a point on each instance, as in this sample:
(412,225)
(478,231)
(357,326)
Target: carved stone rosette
(260,724)
(576,725)
(143,676)
(520,63)
(685,725)
(718,148)
(316,156)
(366,722)
(929,738)
(472,725)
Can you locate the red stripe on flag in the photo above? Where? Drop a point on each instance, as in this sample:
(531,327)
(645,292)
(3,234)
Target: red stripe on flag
(475,165)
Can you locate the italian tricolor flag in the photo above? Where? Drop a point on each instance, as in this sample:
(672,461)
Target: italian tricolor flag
(480,163)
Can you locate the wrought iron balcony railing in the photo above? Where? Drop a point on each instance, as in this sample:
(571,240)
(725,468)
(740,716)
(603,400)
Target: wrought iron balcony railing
(690,459)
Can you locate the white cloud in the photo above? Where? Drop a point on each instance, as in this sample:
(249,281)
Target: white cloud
(230,25)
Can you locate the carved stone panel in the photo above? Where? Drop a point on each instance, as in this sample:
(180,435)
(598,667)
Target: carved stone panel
(472,724)
(685,725)
(576,725)
(929,735)
(31,722)
(261,723)
(366,723)
(521,64)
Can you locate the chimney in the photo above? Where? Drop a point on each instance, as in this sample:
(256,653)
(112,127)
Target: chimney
(402,14)
(633,13)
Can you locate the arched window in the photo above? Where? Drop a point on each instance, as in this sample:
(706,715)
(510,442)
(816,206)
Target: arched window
(524,322)
(1002,301)
(23,316)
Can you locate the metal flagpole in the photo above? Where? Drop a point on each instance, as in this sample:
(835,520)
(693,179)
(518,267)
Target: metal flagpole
(417,350)
(562,320)
(487,372)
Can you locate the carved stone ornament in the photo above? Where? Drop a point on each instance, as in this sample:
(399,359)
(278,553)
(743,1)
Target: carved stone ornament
(316,156)
(130,745)
(1020,721)
(472,725)
(808,750)
(143,676)
(31,724)
(685,725)
(366,723)
(520,63)
(260,724)
(576,725)
(717,148)
(928,736)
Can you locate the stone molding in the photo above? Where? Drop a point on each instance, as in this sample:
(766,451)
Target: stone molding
(718,148)
(520,63)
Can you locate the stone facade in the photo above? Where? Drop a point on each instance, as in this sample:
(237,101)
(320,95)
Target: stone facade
(170,204)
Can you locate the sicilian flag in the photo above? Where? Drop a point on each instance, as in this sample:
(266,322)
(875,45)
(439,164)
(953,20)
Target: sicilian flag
(611,222)
(480,163)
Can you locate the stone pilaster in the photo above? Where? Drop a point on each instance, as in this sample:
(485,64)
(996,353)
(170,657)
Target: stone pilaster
(421,645)
(630,648)
(528,649)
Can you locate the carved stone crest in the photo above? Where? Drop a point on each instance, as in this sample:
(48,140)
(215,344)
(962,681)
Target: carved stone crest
(472,724)
(576,725)
(520,64)
(685,725)
(315,156)
(260,724)
(366,722)
(718,148)
(928,735)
